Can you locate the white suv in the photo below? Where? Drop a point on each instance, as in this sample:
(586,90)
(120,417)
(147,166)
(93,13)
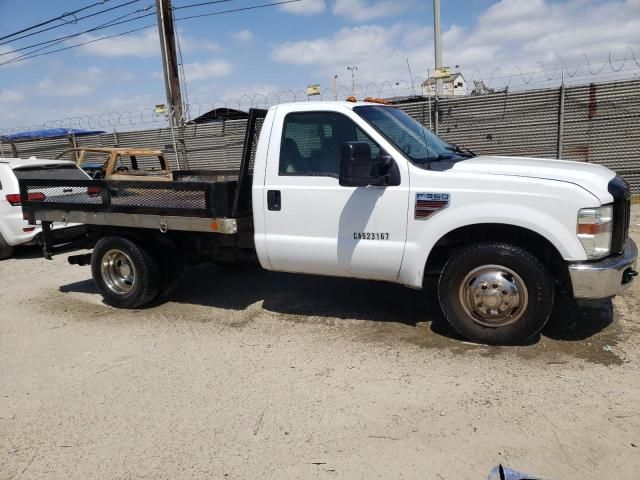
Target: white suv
(14,229)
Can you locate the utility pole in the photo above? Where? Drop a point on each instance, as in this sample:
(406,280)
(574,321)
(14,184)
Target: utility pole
(170,61)
(353,69)
(166,29)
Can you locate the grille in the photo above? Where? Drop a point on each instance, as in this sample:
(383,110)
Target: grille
(621,193)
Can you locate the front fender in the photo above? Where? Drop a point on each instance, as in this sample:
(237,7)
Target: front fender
(558,227)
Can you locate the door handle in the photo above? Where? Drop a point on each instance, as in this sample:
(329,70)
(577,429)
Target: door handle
(273,200)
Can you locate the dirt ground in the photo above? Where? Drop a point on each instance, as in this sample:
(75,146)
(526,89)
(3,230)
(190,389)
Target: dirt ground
(250,374)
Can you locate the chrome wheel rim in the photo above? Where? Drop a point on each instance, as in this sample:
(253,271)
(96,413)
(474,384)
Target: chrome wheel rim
(118,272)
(494,296)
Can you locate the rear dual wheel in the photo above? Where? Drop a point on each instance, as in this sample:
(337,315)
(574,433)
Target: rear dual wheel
(496,293)
(126,274)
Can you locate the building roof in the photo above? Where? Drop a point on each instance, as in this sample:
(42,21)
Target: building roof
(48,133)
(452,78)
(219,114)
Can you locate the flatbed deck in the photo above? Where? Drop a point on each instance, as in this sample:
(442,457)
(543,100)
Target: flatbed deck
(214,201)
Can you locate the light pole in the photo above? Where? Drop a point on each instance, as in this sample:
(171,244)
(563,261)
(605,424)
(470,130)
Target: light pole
(353,70)
(335,87)
(437,42)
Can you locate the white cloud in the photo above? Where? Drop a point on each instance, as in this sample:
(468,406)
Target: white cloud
(365,10)
(7,54)
(146,44)
(509,33)
(349,45)
(63,89)
(10,96)
(203,71)
(305,7)
(210,46)
(255,90)
(71,83)
(192,44)
(243,36)
(525,31)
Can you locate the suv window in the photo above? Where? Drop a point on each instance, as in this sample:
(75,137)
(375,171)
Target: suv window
(312,141)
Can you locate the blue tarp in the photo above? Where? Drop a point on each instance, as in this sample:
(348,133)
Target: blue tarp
(49,133)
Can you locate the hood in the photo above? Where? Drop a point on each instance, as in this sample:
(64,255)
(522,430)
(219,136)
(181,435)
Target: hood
(594,178)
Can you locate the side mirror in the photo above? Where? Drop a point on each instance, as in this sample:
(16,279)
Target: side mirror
(358,169)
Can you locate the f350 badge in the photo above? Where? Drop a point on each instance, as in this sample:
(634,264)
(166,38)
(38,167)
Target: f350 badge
(429,203)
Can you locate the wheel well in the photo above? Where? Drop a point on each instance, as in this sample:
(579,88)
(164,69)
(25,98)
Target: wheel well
(531,241)
(152,240)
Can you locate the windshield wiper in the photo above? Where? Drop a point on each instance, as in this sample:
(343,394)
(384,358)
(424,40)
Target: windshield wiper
(435,158)
(461,150)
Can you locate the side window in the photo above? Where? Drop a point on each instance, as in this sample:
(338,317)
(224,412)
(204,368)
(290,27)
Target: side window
(363,137)
(311,143)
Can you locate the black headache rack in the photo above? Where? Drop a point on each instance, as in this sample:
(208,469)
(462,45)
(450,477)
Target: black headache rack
(192,199)
(192,193)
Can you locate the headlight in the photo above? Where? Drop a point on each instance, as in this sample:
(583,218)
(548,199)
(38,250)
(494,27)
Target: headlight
(594,230)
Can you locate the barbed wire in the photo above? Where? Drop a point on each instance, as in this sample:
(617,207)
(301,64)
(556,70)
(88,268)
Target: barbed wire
(516,79)
(560,69)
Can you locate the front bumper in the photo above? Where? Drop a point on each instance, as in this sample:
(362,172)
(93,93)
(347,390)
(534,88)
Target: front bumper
(604,278)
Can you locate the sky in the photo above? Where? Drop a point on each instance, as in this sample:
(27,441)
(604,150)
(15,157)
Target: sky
(276,52)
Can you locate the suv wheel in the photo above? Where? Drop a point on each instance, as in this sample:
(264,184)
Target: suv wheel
(6,250)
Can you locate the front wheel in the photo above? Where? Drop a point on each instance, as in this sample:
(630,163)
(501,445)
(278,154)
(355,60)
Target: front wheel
(124,272)
(496,293)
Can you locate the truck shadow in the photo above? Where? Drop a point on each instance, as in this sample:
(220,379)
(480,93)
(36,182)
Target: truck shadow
(345,298)
(27,252)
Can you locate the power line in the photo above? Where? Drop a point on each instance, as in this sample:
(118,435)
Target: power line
(201,4)
(28,56)
(76,20)
(238,9)
(184,77)
(77,45)
(46,22)
(55,41)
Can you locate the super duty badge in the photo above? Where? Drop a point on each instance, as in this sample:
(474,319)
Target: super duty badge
(429,203)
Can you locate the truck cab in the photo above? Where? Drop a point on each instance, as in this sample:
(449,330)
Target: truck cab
(363,190)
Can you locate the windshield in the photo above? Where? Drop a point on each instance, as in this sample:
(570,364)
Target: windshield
(417,142)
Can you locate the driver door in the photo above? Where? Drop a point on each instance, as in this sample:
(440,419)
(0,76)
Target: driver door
(313,224)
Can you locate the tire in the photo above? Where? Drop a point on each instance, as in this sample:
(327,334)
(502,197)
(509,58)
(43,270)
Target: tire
(124,272)
(510,314)
(6,250)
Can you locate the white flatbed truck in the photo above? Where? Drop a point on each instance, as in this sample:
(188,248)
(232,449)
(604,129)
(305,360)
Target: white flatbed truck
(357,189)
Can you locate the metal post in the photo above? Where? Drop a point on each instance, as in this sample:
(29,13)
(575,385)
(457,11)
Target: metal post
(435,114)
(175,145)
(353,69)
(561,117)
(429,96)
(437,42)
(335,87)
